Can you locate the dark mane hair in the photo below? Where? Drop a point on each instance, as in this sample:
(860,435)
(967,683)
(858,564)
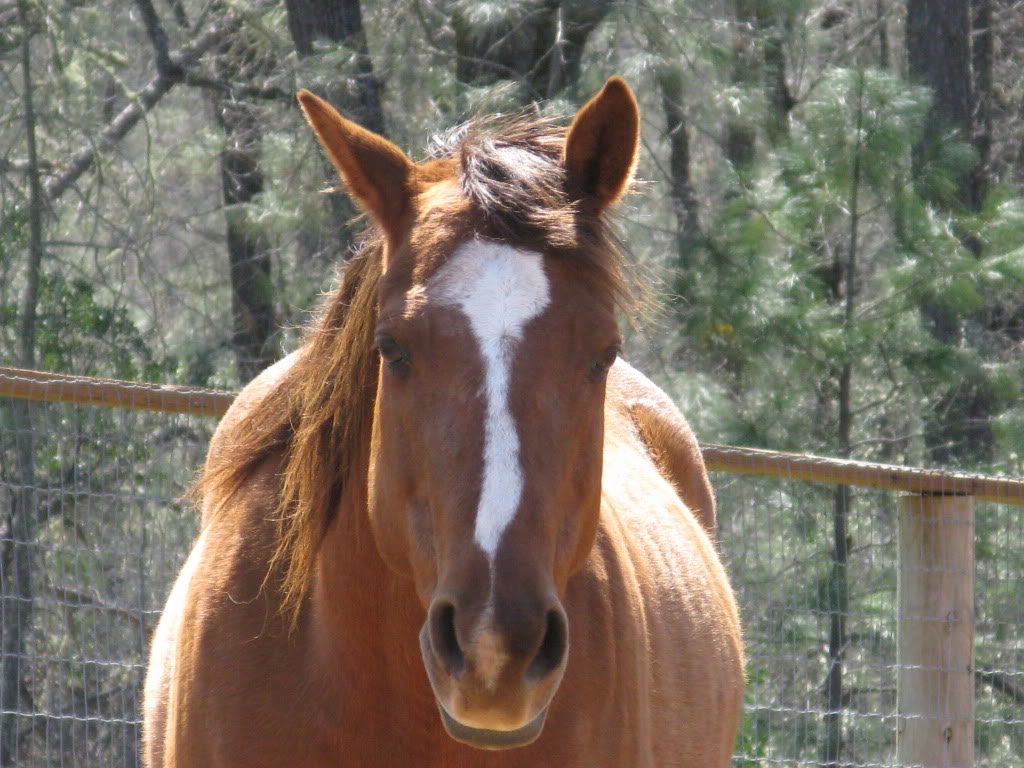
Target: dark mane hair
(510,169)
(319,415)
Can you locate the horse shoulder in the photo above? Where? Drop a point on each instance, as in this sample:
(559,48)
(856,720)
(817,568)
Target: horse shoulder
(205,704)
(160,688)
(250,398)
(667,437)
(656,613)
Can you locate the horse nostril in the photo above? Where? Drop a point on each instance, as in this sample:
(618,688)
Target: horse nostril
(443,638)
(552,648)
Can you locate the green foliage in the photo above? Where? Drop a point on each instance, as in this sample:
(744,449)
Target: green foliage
(754,738)
(767,303)
(76,332)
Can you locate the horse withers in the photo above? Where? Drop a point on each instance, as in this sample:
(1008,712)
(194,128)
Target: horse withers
(454,528)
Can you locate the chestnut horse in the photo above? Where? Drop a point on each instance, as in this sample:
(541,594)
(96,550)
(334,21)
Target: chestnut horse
(453,520)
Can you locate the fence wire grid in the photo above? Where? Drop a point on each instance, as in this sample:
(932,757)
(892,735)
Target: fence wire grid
(84,577)
(814,566)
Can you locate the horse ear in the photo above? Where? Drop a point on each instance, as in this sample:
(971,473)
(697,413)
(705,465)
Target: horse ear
(601,146)
(375,171)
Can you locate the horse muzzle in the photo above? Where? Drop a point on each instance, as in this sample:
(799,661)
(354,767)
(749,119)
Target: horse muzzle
(493,683)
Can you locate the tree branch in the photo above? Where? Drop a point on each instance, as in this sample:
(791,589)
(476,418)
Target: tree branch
(1001,683)
(265,93)
(180,17)
(22,165)
(77,598)
(144,101)
(13,29)
(155,29)
(27,318)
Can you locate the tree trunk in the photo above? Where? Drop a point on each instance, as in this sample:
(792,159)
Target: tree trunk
(537,43)
(670,77)
(684,199)
(838,605)
(576,22)
(839,589)
(17,588)
(760,62)
(18,557)
(740,134)
(780,101)
(883,34)
(252,289)
(339,23)
(939,55)
(981,64)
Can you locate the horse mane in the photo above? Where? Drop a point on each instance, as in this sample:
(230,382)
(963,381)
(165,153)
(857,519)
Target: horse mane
(318,416)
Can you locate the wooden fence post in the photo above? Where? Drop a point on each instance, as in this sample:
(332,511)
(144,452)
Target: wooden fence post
(935,632)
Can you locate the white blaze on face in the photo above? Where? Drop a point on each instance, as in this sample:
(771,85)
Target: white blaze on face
(499,289)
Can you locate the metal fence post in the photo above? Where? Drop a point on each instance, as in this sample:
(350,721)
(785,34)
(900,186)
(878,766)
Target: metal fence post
(935,646)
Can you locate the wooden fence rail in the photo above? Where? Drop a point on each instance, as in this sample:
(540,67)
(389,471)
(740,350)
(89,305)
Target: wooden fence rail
(112,393)
(84,390)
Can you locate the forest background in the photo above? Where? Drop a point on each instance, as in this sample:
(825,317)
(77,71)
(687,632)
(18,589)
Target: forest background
(830,213)
(830,202)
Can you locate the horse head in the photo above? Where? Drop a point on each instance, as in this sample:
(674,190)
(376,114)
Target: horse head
(495,329)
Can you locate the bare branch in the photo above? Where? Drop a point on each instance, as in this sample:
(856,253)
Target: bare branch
(13,30)
(144,101)
(155,29)
(180,17)
(1002,683)
(76,598)
(240,90)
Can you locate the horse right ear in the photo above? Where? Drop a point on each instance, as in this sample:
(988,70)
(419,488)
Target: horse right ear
(376,173)
(601,146)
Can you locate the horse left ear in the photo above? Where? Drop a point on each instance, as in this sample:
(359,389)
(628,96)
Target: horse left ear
(376,173)
(601,146)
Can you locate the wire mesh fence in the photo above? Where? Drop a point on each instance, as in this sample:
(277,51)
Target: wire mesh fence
(93,530)
(85,572)
(778,538)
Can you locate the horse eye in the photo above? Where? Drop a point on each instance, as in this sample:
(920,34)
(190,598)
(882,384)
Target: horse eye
(605,361)
(391,353)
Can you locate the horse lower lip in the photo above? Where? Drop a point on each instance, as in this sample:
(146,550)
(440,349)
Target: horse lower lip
(483,738)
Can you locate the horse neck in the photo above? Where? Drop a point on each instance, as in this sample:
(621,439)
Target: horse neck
(361,607)
(361,654)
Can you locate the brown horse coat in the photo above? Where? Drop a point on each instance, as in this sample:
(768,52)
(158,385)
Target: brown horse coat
(654,672)
(647,683)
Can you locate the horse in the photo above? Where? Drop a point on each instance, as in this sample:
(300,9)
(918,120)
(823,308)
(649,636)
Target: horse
(454,528)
